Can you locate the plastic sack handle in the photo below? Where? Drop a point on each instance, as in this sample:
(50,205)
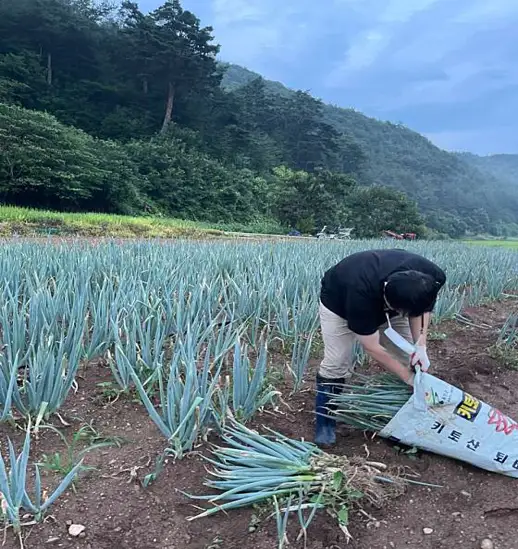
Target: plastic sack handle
(419,390)
(399,341)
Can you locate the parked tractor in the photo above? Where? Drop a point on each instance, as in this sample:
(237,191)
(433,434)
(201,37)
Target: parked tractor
(399,236)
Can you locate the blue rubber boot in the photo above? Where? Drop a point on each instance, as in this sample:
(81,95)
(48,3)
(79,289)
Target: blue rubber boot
(325,432)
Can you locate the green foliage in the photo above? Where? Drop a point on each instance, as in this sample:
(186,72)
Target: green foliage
(370,402)
(506,347)
(22,76)
(46,164)
(168,53)
(249,390)
(500,171)
(183,182)
(502,166)
(374,209)
(308,201)
(64,463)
(33,222)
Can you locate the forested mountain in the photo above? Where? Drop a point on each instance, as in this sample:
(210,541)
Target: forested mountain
(113,109)
(456,192)
(503,167)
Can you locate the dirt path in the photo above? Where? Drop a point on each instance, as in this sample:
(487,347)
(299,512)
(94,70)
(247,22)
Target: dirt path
(119,514)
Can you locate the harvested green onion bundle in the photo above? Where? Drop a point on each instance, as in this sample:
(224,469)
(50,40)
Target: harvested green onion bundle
(372,403)
(295,476)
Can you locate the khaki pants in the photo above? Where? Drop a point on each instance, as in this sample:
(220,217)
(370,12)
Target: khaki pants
(339,343)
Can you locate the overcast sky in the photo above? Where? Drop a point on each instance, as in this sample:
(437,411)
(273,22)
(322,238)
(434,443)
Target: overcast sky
(446,68)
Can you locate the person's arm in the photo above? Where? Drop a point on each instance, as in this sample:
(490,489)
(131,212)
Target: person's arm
(361,318)
(419,328)
(372,346)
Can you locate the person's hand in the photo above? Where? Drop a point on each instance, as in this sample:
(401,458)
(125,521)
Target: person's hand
(420,358)
(409,379)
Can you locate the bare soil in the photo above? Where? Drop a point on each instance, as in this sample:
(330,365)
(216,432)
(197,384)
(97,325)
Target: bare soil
(118,513)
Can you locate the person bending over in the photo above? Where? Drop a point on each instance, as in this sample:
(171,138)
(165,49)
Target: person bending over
(360,297)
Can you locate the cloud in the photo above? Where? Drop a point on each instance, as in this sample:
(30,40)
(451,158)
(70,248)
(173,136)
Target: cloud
(487,11)
(442,68)
(255,33)
(492,140)
(402,11)
(365,49)
(228,12)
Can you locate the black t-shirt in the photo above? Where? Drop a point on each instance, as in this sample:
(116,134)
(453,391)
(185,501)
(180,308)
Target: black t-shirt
(353,289)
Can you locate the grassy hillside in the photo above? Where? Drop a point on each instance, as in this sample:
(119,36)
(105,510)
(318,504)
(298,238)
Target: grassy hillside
(450,189)
(28,222)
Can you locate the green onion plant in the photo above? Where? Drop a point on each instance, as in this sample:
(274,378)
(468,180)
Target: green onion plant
(300,358)
(371,402)
(293,477)
(66,302)
(185,408)
(249,393)
(14,497)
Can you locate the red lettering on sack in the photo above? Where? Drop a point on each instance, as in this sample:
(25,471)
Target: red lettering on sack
(503,423)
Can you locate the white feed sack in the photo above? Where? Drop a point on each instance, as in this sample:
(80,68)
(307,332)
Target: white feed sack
(441,418)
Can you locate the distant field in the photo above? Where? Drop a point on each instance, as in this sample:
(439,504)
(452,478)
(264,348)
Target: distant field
(28,222)
(501,243)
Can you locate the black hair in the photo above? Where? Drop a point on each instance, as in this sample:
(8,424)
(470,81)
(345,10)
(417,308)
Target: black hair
(411,292)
